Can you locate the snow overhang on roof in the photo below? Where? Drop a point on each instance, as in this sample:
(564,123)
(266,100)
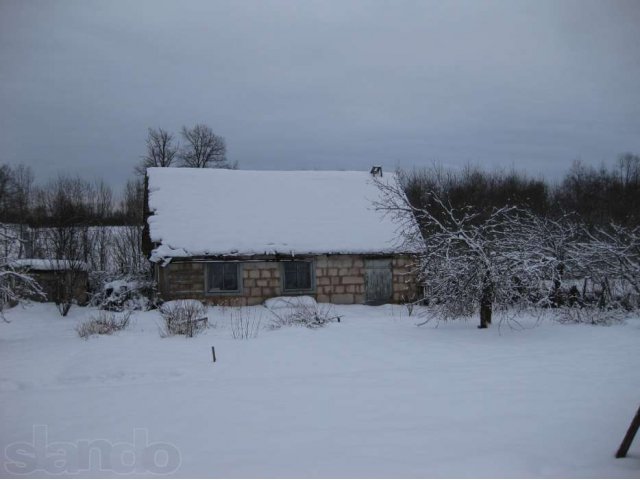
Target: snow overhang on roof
(214,212)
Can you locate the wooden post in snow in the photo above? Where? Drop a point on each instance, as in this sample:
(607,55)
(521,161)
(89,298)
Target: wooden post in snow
(213,353)
(628,438)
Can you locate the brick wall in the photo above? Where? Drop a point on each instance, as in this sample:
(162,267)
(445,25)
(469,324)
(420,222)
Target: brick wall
(339,279)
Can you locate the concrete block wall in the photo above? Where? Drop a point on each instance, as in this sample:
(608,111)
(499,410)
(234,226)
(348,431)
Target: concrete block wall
(260,281)
(339,279)
(186,279)
(405,284)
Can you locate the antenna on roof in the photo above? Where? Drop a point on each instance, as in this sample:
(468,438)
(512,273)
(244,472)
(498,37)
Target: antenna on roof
(376,171)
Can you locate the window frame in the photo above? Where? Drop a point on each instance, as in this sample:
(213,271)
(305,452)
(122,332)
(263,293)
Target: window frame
(207,287)
(312,274)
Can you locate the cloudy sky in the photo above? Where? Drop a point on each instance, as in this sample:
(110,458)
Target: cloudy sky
(322,85)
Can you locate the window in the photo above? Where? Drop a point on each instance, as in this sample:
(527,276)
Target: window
(223,277)
(297,276)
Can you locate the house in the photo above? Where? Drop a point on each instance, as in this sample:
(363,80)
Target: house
(240,237)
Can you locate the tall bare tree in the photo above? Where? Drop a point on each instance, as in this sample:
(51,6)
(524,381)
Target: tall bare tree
(99,236)
(6,191)
(203,148)
(161,151)
(65,207)
(128,254)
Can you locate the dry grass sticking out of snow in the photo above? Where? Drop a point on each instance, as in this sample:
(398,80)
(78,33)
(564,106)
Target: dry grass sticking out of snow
(103,323)
(371,396)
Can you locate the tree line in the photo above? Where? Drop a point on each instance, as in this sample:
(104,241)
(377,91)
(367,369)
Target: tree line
(501,241)
(65,198)
(597,196)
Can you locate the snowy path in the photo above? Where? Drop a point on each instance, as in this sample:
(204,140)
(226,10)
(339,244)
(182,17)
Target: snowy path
(372,396)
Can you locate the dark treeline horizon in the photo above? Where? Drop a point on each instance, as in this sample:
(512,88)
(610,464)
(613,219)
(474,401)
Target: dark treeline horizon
(596,196)
(66,199)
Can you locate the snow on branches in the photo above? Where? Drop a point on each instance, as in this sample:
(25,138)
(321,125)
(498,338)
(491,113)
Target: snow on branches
(15,285)
(481,260)
(612,253)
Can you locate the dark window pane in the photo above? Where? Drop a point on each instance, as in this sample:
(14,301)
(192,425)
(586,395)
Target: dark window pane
(215,276)
(230,276)
(223,276)
(304,275)
(290,277)
(297,276)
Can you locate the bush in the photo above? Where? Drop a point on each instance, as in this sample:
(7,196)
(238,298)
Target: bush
(300,311)
(104,323)
(183,317)
(592,315)
(125,293)
(245,324)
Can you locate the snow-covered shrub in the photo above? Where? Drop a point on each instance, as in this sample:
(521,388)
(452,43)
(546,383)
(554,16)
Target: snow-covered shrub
(245,323)
(16,287)
(301,311)
(124,293)
(104,323)
(592,315)
(183,317)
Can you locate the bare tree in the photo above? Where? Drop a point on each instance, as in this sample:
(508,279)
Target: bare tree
(99,240)
(6,192)
(161,151)
(128,254)
(550,242)
(65,208)
(15,285)
(203,148)
(609,255)
(23,188)
(469,261)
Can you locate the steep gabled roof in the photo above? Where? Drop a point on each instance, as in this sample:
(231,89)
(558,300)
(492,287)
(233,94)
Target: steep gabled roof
(199,212)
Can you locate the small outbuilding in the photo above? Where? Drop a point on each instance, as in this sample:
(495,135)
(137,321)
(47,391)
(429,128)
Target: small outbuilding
(54,275)
(240,237)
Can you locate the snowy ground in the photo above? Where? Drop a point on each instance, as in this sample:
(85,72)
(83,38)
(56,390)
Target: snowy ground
(372,396)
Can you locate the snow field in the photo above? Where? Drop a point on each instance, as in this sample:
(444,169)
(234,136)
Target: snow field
(372,396)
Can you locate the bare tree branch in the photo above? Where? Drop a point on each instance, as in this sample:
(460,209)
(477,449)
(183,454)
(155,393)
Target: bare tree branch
(161,151)
(203,148)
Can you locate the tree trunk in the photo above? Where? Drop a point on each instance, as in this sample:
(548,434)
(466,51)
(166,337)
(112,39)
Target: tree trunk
(486,305)
(485,315)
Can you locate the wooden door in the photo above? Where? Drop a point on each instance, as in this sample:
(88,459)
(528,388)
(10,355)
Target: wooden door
(378,281)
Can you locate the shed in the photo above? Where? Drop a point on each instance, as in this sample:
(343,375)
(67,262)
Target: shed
(238,236)
(52,273)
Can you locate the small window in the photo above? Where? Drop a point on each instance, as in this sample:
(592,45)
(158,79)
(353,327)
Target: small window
(223,277)
(297,276)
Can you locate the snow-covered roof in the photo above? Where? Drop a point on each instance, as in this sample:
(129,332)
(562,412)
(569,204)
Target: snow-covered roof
(197,212)
(46,264)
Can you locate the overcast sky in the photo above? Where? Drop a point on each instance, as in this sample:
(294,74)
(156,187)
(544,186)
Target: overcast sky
(321,85)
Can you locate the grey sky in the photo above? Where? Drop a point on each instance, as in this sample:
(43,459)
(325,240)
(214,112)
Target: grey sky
(327,85)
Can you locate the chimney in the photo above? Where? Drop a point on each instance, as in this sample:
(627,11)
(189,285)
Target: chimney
(376,171)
